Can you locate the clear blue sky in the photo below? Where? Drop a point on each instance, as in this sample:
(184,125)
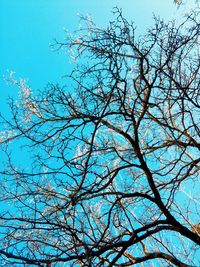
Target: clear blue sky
(28,26)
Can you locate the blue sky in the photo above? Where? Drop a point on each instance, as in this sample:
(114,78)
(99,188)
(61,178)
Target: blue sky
(27,28)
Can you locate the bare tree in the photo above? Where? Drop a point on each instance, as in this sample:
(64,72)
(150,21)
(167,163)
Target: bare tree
(111,177)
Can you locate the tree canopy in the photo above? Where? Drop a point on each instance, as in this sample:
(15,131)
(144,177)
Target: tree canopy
(113,154)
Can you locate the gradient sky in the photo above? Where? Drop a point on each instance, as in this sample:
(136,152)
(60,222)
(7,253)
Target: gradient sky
(28,26)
